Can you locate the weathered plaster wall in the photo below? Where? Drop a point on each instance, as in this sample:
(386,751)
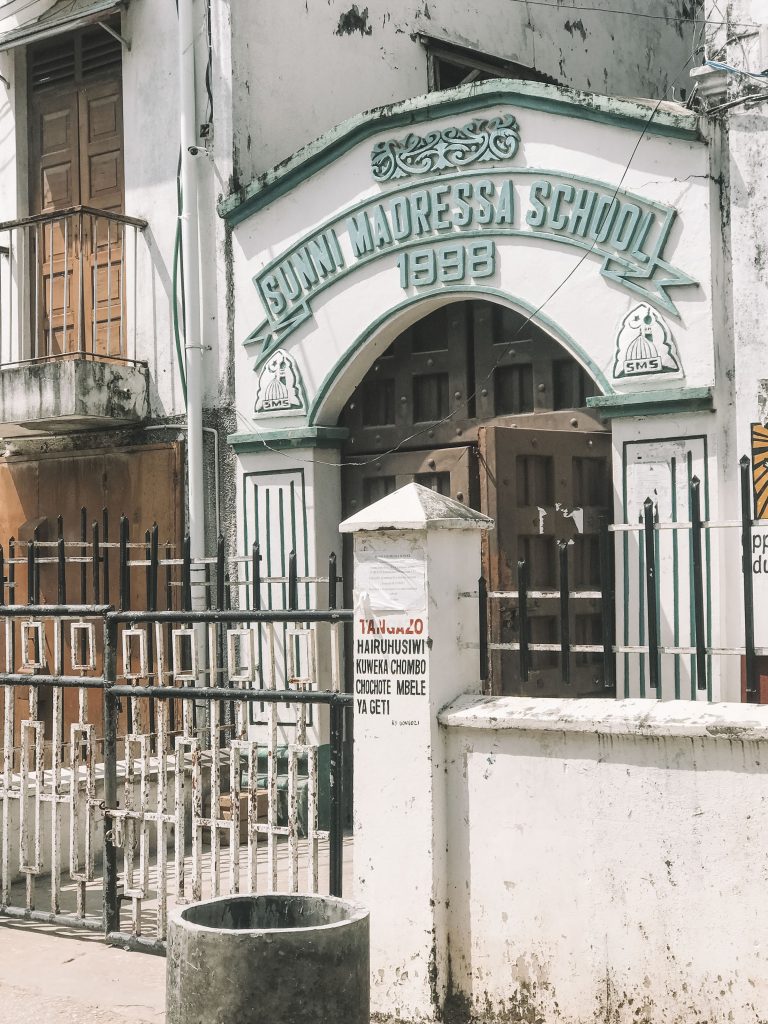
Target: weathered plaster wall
(357,56)
(606,861)
(739,141)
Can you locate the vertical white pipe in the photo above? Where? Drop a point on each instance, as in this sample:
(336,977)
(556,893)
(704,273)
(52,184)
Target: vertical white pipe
(192,298)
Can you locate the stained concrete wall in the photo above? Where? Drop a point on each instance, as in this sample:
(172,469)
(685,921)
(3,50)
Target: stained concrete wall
(357,56)
(606,861)
(741,135)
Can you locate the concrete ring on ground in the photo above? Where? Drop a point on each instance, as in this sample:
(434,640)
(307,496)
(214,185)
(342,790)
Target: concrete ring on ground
(276,958)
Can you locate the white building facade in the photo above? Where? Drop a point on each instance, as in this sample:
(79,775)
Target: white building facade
(442,245)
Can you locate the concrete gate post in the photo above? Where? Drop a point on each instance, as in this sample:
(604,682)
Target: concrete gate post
(416,647)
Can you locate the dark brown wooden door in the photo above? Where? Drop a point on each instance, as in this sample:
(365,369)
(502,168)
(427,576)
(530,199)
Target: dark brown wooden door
(54,246)
(540,487)
(76,159)
(102,187)
(484,406)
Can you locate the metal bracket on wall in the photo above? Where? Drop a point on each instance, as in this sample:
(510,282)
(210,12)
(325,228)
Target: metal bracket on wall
(115,35)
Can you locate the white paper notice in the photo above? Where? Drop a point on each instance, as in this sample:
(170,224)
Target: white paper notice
(391,648)
(390,583)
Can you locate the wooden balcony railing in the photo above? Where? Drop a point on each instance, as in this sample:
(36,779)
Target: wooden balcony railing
(68,285)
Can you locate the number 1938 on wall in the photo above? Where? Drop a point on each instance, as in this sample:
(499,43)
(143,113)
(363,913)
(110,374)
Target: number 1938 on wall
(446,264)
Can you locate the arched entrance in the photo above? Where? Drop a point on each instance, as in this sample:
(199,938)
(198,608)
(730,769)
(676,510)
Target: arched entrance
(475,403)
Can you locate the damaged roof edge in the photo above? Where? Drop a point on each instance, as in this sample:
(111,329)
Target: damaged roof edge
(59,19)
(666,119)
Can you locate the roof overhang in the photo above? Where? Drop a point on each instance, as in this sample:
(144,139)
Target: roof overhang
(63,16)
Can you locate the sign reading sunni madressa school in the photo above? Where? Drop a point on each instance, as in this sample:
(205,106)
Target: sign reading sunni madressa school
(444,228)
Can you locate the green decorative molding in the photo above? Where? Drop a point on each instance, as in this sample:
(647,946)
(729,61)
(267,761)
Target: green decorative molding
(495,138)
(291,437)
(285,176)
(653,403)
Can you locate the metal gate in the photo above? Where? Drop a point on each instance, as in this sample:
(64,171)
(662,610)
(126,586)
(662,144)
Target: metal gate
(218,769)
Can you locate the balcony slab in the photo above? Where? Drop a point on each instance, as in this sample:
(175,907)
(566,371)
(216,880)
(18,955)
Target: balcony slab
(71,395)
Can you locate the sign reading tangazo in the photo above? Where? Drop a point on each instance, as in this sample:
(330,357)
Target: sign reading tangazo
(444,228)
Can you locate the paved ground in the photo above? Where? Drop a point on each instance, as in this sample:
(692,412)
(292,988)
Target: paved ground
(58,975)
(50,975)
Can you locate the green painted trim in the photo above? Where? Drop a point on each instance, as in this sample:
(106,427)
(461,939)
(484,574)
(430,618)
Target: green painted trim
(551,99)
(471,291)
(293,437)
(688,439)
(653,403)
(298,476)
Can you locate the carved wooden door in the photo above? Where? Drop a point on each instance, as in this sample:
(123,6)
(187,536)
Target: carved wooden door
(540,487)
(76,160)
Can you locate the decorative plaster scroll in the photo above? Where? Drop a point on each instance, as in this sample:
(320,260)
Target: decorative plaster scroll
(495,138)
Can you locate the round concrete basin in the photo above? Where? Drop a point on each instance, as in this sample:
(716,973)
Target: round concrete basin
(268,959)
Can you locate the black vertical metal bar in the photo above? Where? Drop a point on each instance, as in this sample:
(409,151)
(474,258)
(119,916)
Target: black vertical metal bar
(220,570)
(186,575)
(61,566)
(12,597)
(123,572)
(608,605)
(36,567)
(147,568)
(482,625)
(154,564)
(31,572)
(336,837)
(522,607)
(95,562)
(105,556)
(61,596)
(111,712)
(650,595)
(332,582)
(169,633)
(83,554)
(150,588)
(745,471)
(255,576)
(2,576)
(698,585)
(168,579)
(565,613)
(293,584)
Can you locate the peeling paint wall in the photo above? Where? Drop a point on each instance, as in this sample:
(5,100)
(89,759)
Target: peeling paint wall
(606,862)
(304,66)
(739,143)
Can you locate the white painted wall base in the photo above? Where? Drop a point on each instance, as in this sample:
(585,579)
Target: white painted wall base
(607,861)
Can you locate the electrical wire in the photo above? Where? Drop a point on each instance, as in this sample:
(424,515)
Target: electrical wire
(719,65)
(508,348)
(633,14)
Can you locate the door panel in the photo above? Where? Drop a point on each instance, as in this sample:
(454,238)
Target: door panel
(449,471)
(55,185)
(540,487)
(77,160)
(101,186)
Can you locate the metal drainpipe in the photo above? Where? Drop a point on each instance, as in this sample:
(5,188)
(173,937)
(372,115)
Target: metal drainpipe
(193,340)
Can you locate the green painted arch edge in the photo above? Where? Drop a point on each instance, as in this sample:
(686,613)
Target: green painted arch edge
(465,291)
(552,99)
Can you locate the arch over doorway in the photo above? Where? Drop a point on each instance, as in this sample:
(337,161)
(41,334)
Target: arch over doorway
(344,375)
(475,401)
